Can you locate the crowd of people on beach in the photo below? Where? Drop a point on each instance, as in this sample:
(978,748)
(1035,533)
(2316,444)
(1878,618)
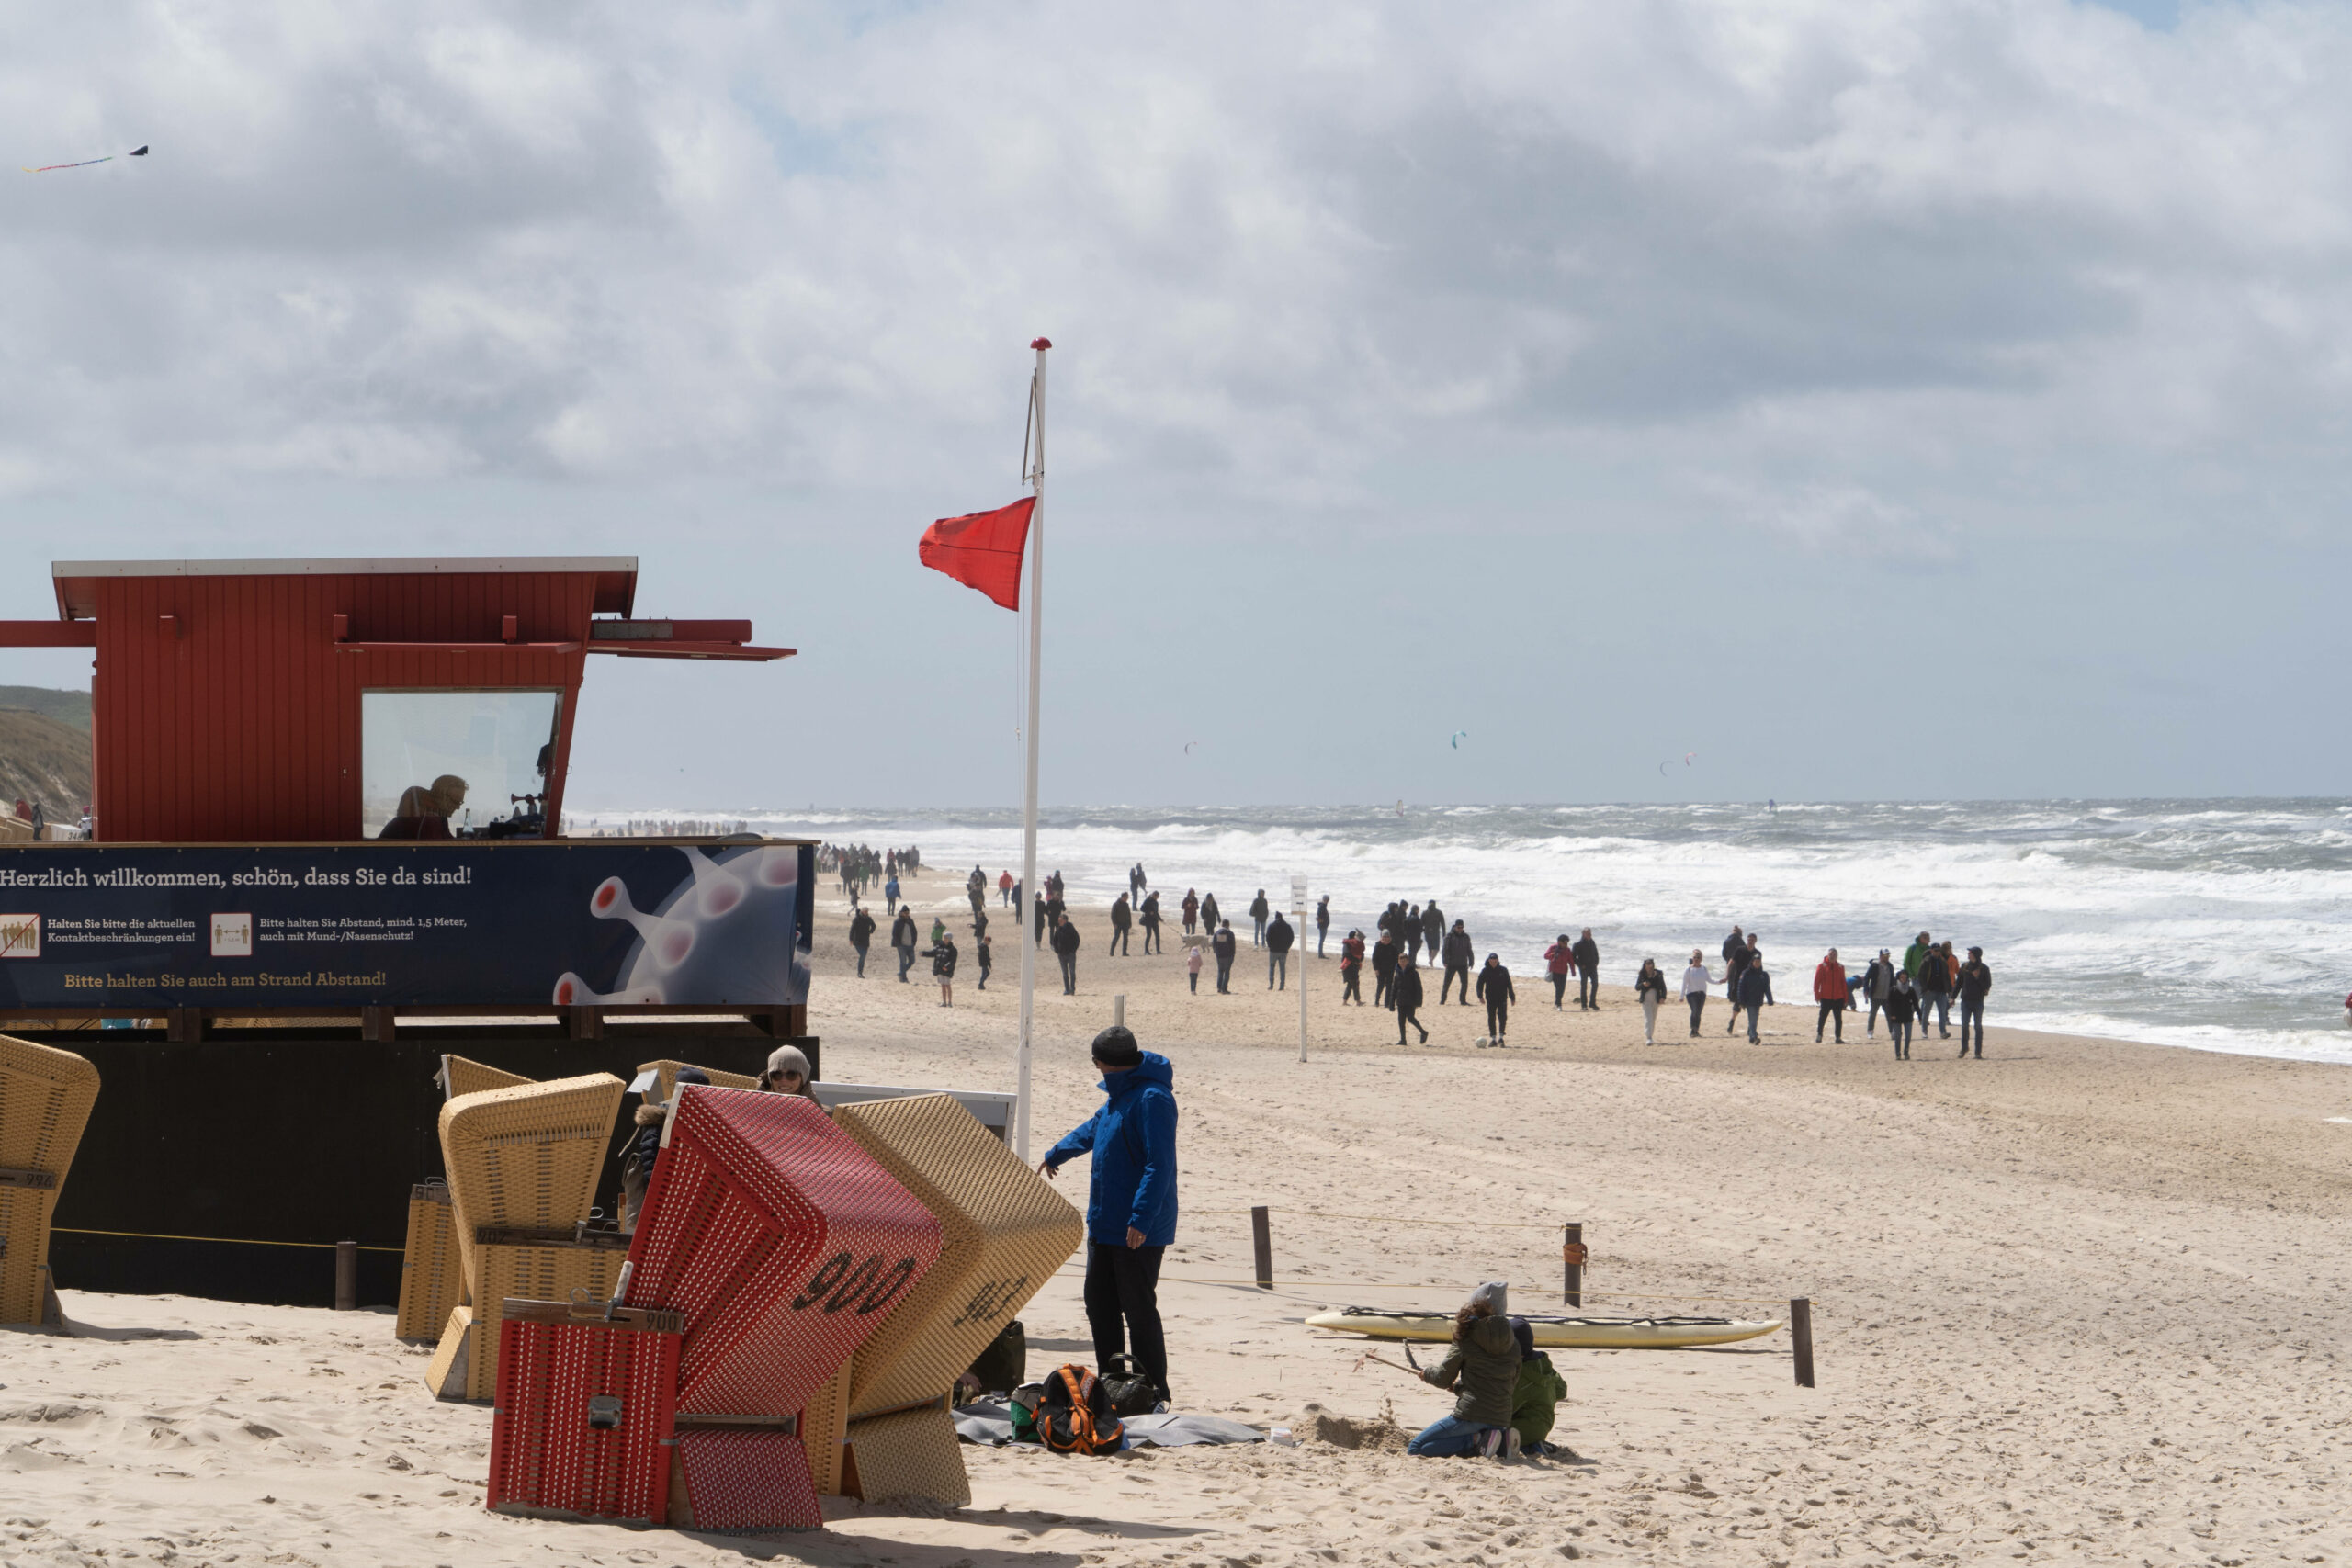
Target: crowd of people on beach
(1923,987)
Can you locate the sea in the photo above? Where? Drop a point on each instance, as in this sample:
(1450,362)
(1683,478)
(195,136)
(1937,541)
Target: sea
(2215,925)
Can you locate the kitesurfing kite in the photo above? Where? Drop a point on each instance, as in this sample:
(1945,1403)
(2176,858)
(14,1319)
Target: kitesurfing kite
(1686,757)
(1188,747)
(1459,736)
(134,153)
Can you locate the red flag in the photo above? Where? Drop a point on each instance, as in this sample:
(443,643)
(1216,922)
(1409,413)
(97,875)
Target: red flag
(982,551)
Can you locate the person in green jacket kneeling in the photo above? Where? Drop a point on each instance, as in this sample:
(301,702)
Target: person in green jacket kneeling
(1537,1393)
(1481,1368)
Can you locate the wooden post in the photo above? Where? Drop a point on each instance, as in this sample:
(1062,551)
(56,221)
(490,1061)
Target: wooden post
(1119,1008)
(1572,1263)
(1801,1338)
(1263,1238)
(377,1024)
(346,1276)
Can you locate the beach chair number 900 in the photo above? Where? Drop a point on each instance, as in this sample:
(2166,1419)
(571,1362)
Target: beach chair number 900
(991,1300)
(870,1285)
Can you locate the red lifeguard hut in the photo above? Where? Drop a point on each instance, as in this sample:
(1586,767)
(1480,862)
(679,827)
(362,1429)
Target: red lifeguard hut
(328,806)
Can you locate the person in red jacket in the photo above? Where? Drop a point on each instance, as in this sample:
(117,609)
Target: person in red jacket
(1558,959)
(1352,968)
(1829,989)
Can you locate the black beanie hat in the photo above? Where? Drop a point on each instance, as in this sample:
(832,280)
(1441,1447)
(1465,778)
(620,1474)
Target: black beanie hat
(1116,1047)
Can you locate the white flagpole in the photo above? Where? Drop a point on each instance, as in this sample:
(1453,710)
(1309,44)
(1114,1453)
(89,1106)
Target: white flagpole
(1029,889)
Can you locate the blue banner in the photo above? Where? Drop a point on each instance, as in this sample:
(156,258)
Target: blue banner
(513,922)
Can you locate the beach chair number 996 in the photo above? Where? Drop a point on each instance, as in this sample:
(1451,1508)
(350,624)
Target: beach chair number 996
(870,1285)
(991,1300)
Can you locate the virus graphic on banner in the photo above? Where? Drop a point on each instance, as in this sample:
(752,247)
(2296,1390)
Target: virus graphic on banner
(714,938)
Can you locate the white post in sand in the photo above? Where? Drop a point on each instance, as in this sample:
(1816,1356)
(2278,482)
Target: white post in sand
(1298,898)
(1035,475)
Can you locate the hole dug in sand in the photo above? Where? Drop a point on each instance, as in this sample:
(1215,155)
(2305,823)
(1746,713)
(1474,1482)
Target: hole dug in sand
(1379,1434)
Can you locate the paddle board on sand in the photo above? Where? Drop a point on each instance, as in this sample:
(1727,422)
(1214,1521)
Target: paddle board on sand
(1555,1333)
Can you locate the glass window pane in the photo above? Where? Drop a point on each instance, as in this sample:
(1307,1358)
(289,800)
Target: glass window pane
(455,764)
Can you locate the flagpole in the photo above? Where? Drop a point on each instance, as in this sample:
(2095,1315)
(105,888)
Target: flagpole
(1029,887)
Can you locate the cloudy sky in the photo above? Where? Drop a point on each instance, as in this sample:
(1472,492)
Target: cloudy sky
(1927,399)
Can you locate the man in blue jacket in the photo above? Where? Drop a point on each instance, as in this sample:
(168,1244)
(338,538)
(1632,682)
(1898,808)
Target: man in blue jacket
(1130,1200)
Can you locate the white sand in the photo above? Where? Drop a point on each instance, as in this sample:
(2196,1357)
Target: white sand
(2081,1301)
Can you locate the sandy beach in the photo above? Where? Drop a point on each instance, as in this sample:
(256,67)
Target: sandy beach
(2080,1301)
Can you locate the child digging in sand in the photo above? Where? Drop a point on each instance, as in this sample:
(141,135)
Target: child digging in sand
(1536,1398)
(1482,1368)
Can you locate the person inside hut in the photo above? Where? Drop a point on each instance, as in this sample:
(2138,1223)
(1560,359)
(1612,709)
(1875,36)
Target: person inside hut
(424,812)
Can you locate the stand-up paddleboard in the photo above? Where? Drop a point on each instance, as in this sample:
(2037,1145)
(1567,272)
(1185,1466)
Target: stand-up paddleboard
(1555,1333)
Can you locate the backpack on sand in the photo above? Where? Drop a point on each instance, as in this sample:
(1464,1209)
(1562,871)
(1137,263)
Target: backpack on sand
(1074,1414)
(1129,1391)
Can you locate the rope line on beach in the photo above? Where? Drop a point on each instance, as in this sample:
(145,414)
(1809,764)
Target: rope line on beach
(226,1240)
(1390,1220)
(1299,1284)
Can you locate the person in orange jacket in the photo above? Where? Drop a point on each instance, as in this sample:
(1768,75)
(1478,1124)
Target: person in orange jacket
(1558,959)
(1830,990)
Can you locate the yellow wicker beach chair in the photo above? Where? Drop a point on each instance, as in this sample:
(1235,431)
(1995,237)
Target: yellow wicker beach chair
(459,1075)
(1002,1233)
(523,1163)
(45,1100)
(432,1278)
(669,1081)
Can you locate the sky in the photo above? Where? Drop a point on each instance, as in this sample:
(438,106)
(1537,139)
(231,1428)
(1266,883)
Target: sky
(1934,399)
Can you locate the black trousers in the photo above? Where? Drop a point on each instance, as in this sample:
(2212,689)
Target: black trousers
(1559,986)
(1122,1305)
(1976,1010)
(861,964)
(1070,973)
(1587,988)
(1224,975)
(1498,1016)
(1831,1012)
(1404,1017)
(1353,989)
(1697,1001)
(1118,939)
(1453,972)
(1152,937)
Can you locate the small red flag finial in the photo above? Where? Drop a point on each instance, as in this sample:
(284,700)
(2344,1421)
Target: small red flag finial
(1043,343)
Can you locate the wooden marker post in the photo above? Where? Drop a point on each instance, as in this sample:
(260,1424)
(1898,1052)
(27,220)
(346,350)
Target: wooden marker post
(1801,1338)
(1572,1263)
(346,1276)
(1119,1008)
(1262,1238)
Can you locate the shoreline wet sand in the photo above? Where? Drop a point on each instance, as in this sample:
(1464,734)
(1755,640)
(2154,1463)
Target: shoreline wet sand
(2082,1302)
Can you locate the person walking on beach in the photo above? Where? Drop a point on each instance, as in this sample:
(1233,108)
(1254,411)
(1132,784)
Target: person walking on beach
(1412,930)
(1224,945)
(1408,993)
(1433,938)
(1258,918)
(1695,981)
(1065,944)
(1383,967)
(1558,959)
(1193,966)
(890,892)
(1322,923)
(942,968)
(1755,992)
(1934,980)
(1192,908)
(1352,968)
(981,955)
(1130,1200)
(1737,957)
(1005,886)
(1649,989)
(1209,917)
(1877,983)
(976,887)
(861,937)
(1976,980)
(1829,990)
(903,937)
(1494,989)
(1458,952)
(1152,943)
(1279,936)
(1588,953)
(1902,1006)
(1121,924)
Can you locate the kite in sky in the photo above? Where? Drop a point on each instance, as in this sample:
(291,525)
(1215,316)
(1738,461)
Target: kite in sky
(134,153)
(1460,736)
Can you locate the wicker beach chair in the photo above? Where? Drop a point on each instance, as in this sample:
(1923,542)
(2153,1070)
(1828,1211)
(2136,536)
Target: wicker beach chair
(586,1406)
(459,1075)
(45,1100)
(782,1244)
(668,1079)
(523,1163)
(433,1276)
(1003,1231)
